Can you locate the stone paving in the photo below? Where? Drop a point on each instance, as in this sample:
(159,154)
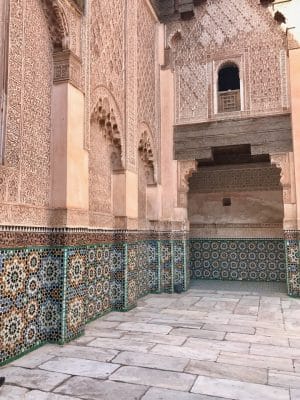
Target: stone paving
(212,342)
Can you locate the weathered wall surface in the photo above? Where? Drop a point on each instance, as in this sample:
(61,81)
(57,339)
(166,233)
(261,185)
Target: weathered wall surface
(255,194)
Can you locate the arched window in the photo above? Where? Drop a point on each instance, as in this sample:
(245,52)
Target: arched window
(229,88)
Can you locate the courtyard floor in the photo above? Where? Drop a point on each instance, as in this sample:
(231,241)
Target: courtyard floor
(219,340)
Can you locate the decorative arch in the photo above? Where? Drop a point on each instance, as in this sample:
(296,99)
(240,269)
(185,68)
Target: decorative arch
(147,153)
(106,115)
(186,168)
(57,24)
(228,76)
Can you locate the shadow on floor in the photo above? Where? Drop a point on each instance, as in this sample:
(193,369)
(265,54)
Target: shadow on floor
(240,286)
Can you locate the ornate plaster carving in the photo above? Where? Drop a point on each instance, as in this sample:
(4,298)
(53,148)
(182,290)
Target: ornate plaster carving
(145,148)
(104,115)
(254,37)
(185,171)
(67,68)
(57,24)
(281,160)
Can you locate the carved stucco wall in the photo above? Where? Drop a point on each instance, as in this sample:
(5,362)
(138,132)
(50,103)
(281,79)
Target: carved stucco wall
(26,169)
(241,31)
(147,76)
(133,94)
(106,83)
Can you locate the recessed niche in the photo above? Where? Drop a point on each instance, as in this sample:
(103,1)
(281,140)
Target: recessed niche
(226,201)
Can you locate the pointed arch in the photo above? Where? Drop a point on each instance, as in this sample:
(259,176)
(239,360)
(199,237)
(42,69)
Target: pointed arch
(106,114)
(57,24)
(147,152)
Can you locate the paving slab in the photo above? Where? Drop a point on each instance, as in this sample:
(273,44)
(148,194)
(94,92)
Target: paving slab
(83,340)
(140,327)
(9,392)
(275,351)
(186,352)
(167,394)
(37,357)
(154,377)
(159,302)
(92,389)
(251,360)
(34,378)
(259,339)
(229,328)
(102,324)
(295,342)
(121,344)
(228,371)
(38,395)
(284,379)
(230,389)
(201,333)
(110,333)
(177,323)
(78,366)
(185,313)
(297,365)
(236,347)
(84,352)
(184,302)
(151,361)
(295,394)
(155,338)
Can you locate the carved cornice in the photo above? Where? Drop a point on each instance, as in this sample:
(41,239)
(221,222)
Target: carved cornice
(67,68)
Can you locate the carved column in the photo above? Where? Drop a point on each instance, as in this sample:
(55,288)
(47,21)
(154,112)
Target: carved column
(185,171)
(4,33)
(69,157)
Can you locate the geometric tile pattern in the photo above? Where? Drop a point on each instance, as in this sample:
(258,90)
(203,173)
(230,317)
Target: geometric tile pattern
(238,259)
(30,299)
(292,247)
(48,294)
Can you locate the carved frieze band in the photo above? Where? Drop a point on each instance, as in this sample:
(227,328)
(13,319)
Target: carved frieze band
(67,68)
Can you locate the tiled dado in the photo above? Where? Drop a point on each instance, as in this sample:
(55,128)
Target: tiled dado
(48,294)
(238,259)
(292,250)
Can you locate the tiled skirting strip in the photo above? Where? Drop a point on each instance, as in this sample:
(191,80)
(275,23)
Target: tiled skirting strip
(48,294)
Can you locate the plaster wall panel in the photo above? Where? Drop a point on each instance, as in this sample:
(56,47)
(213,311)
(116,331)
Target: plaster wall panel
(59,146)
(168,165)
(132,182)
(295,100)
